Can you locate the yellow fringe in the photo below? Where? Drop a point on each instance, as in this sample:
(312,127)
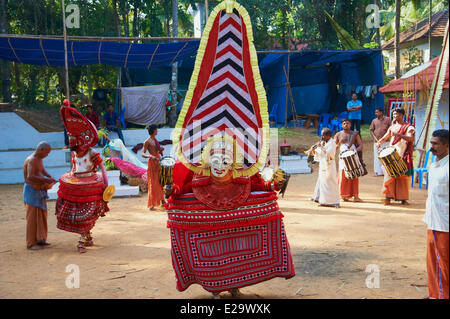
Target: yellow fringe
(227,5)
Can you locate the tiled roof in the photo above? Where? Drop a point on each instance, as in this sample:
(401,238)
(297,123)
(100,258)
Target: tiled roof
(420,30)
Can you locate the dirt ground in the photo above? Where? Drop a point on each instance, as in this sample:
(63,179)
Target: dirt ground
(331,248)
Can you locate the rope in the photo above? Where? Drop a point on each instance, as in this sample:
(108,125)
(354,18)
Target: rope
(151,59)
(73,57)
(14,51)
(43,52)
(179,51)
(126,58)
(99,49)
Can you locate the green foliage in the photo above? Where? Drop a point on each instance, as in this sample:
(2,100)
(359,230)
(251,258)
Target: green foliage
(344,37)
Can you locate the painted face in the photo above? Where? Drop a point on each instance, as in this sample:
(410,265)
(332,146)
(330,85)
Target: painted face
(220,164)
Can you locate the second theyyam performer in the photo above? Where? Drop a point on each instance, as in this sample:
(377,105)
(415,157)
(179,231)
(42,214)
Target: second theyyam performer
(80,195)
(225,224)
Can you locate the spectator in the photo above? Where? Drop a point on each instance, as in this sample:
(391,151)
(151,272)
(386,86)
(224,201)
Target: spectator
(111,122)
(436,217)
(92,116)
(354,107)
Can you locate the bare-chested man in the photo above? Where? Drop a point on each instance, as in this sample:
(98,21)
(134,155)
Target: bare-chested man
(346,140)
(37,181)
(151,145)
(401,136)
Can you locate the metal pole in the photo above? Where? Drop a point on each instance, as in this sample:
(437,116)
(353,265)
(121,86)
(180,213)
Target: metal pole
(66,65)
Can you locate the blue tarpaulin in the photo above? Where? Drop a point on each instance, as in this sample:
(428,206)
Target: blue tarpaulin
(321,81)
(129,55)
(315,76)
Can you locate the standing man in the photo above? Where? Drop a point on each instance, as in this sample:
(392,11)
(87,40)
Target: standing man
(436,217)
(155,190)
(401,136)
(379,127)
(354,107)
(92,116)
(111,122)
(327,189)
(37,181)
(345,140)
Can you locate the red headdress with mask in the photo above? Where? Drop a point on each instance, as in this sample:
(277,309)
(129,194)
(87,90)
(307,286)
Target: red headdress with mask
(79,127)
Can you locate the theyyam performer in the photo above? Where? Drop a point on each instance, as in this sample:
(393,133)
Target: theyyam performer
(81,191)
(225,224)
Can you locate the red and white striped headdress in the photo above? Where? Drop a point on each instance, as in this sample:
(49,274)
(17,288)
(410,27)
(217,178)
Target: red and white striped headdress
(226,95)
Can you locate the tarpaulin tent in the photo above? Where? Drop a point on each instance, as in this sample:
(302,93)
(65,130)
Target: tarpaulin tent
(314,76)
(50,52)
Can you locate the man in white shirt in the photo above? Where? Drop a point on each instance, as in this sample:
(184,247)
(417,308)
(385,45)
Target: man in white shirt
(436,217)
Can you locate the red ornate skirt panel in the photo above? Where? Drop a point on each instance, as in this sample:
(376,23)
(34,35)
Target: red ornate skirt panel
(235,257)
(255,210)
(81,189)
(220,250)
(79,217)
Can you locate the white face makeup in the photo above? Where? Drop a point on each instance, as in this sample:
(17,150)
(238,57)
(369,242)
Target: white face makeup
(220,164)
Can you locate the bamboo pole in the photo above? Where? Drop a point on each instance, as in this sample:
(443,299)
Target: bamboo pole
(94,38)
(66,64)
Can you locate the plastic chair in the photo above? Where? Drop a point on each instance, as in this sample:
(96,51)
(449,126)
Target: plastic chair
(324,121)
(336,125)
(421,170)
(273,113)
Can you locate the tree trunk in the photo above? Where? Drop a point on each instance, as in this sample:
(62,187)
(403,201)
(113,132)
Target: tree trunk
(398,6)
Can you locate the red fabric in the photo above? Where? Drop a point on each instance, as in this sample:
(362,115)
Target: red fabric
(80,127)
(437,264)
(223,250)
(221,196)
(348,187)
(79,217)
(407,156)
(93,117)
(81,189)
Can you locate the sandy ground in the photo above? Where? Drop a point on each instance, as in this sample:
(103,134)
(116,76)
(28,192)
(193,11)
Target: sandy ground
(331,249)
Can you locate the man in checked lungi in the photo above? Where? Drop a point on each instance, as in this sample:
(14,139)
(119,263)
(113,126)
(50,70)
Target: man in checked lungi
(401,136)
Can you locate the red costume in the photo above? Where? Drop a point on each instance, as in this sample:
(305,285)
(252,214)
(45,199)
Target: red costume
(231,240)
(80,195)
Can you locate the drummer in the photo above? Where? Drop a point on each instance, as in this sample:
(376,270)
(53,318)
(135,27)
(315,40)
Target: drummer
(401,137)
(346,140)
(155,190)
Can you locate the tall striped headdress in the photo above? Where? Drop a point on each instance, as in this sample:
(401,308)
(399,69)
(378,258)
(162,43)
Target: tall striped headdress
(226,95)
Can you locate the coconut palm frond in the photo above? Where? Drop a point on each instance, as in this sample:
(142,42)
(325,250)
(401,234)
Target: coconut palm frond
(344,37)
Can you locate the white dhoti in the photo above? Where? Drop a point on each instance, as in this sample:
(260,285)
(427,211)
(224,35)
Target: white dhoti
(378,168)
(327,189)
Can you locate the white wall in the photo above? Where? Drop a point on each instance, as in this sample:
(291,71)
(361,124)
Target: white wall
(18,140)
